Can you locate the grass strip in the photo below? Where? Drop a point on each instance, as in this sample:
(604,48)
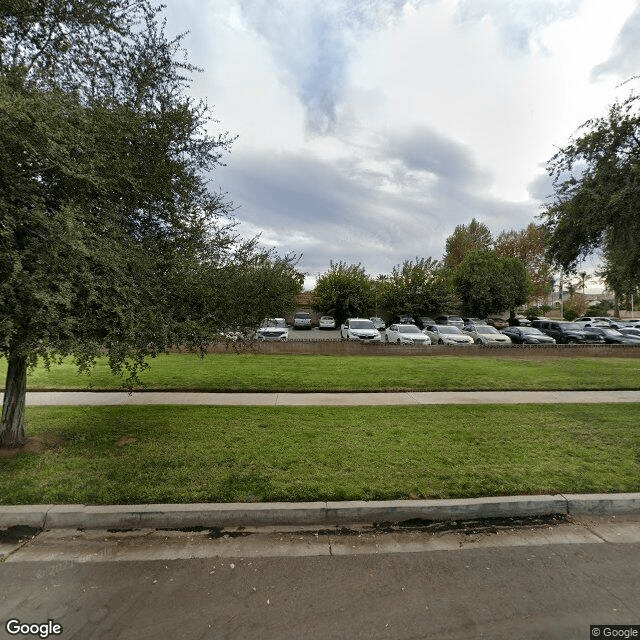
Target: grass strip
(259,372)
(177,454)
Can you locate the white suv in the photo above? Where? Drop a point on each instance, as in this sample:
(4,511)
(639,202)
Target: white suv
(360,329)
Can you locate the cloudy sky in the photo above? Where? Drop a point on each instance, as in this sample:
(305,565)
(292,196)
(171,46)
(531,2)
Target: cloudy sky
(368,129)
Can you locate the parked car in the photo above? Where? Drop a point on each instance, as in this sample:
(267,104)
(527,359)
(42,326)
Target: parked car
(272,329)
(485,334)
(447,334)
(455,321)
(519,321)
(630,331)
(527,335)
(406,334)
(423,321)
(405,319)
(378,323)
(498,323)
(593,321)
(613,336)
(361,329)
(567,332)
(473,321)
(326,322)
(302,320)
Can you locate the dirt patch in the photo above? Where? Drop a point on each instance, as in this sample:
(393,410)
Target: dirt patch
(125,440)
(35,444)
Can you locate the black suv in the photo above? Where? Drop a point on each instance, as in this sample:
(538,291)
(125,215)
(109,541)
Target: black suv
(567,332)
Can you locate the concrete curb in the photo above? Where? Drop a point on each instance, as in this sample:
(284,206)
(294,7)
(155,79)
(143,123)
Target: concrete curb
(208,515)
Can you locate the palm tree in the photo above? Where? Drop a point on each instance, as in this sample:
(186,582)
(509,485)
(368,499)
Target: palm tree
(583,276)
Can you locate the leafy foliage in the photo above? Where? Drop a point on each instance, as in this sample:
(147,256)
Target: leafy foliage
(474,236)
(418,288)
(597,195)
(344,291)
(488,283)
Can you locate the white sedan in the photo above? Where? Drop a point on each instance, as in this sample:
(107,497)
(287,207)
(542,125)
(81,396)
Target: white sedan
(326,322)
(486,334)
(447,334)
(360,329)
(406,334)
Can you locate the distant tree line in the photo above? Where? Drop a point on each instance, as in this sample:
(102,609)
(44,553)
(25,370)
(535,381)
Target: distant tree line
(477,276)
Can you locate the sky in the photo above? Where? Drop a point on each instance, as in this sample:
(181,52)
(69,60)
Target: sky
(367,130)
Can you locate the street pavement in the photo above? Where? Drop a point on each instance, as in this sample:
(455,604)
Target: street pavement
(540,579)
(35,398)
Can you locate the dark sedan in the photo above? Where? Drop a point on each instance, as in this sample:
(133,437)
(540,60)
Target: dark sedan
(527,335)
(613,336)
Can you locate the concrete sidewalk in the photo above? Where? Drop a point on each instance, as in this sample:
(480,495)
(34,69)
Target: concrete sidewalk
(35,398)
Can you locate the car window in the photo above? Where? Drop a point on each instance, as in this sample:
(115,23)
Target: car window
(449,329)
(361,324)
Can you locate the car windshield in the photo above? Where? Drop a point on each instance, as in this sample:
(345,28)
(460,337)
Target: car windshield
(611,332)
(486,329)
(531,331)
(571,326)
(303,316)
(445,328)
(408,328)
(273,322)
(329,318)
(362,324)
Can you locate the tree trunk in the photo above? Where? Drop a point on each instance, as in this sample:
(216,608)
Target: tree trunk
(13,432)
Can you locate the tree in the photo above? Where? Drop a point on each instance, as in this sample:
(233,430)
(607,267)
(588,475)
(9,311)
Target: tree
(108,229)
(418,288)
(464,239)
(530,246)
(345,290)
(597,194)
(488,283)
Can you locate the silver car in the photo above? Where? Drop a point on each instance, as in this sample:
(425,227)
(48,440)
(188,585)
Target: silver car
(273,329)
(486,334)
(302,320)
(406,334)
(447,334)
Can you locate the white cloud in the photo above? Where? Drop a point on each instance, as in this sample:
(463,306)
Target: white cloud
(370,128)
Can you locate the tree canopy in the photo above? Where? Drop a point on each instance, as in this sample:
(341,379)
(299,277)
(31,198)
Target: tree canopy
(109,231)
(488,283)
(417,287)
(597,194)
(344,291)
(465,238)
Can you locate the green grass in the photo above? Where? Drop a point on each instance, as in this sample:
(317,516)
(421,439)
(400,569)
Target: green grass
(238,454)
(230,372)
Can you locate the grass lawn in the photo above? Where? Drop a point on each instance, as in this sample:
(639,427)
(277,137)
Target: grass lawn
(111,455)
(231,372)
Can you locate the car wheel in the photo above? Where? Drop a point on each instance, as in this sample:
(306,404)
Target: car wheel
(386,338)
(571,341)
(440,341)
(478,341)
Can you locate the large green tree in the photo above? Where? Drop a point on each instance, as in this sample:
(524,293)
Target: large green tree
(345,290)
(465,238)
(530,246)
(596,206)
(488,283)
(108,228)
(418,287)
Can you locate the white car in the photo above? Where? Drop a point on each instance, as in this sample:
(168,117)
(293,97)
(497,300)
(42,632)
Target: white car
(302,320)
(326,322)
(447,334)
(360,329)
(273,329)
(486,334)
(406,334)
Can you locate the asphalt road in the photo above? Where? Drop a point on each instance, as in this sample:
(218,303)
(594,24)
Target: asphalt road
(537,580)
